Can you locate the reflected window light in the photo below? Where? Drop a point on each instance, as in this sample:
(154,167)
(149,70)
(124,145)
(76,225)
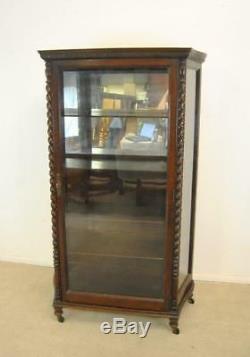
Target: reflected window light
(71,127)
(70,97)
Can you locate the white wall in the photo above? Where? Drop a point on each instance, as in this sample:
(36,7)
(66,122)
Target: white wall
(220,28)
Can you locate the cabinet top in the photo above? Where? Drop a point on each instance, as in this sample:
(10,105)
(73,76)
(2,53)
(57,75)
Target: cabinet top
(150,52)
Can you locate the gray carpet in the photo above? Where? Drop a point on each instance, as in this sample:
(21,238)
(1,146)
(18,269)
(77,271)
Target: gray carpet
(218,325)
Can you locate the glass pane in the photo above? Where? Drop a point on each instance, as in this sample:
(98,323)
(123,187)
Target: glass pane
(119,113)
(115,134)
(187,173)
(99,93)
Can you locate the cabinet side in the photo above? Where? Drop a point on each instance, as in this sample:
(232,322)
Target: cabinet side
(195,166)
(189,181)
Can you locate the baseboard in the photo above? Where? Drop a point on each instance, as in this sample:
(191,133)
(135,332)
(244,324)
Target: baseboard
(14,259)
(222,278)
(198,277)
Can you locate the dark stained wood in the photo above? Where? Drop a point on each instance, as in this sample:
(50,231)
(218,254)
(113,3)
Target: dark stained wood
(175,60)
(187,293)
(112,156)
(113,63)
(154,52)
(171,168)
(130,302)
(195,168)
(53,171)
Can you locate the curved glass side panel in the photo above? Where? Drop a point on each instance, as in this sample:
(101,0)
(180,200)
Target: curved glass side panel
(187,173)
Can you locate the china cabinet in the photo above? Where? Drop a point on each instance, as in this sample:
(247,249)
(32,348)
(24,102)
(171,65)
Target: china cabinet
(123,128)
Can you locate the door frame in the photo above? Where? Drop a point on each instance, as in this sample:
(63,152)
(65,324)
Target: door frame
(61,270)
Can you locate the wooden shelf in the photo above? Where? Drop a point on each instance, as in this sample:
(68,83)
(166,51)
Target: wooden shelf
(113,154)
(140,113)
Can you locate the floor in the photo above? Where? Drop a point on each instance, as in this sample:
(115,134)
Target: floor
(217,325)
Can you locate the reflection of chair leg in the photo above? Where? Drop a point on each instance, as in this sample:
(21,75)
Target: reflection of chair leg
(85,190)
(120,186)
(138,192)
(86,198)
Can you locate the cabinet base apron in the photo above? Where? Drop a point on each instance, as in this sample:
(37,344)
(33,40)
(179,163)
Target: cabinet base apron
(172,315)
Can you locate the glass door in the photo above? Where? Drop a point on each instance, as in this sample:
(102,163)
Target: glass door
(115,127)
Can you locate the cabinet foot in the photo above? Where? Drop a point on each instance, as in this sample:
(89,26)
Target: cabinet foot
(60,318)
(173,322)
(191,300)
(59,313)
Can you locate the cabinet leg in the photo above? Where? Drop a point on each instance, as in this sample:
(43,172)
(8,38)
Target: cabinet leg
(173,322)
(59,313)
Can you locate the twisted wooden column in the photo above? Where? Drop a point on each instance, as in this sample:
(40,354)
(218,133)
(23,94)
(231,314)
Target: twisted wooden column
(178,191)
(53,194)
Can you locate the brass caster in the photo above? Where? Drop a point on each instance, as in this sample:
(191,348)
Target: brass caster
(60,318)
(173,322)
(176,330)
(58,310)
(191,300)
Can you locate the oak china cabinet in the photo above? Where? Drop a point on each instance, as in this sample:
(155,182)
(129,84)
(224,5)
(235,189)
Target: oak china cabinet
(123,128)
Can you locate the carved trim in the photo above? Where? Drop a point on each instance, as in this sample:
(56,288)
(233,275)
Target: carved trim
(53,183)
(180,128)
